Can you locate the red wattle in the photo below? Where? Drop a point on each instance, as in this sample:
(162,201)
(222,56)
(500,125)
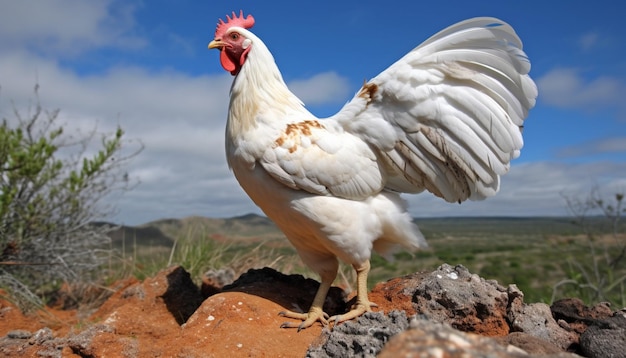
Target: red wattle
(226,62)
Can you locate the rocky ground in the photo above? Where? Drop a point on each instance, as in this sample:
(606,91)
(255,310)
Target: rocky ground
(449,312)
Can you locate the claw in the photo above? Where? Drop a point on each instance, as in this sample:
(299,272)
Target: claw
(357,310)
(289,325)
(314,315)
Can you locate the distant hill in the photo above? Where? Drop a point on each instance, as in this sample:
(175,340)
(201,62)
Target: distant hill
(254,228)
(246,227)
(164,232)
(127,236)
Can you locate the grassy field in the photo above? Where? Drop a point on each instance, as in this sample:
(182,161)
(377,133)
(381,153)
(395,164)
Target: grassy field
(533,253)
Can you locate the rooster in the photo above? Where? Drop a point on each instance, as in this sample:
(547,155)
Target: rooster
(445,118)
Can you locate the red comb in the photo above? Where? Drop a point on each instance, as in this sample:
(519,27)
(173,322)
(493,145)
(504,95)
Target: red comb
(240,21)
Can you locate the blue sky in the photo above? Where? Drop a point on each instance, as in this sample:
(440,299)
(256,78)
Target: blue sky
(145,66)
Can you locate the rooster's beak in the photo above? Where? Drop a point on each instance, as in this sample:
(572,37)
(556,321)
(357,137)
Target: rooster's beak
(216,44)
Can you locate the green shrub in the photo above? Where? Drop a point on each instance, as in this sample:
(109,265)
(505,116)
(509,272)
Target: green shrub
(597,273)
(51,190)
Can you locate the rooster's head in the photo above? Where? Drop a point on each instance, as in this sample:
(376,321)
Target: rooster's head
(230,39)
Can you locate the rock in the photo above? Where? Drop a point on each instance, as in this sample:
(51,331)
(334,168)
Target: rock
(432,339)
(452,295)
(88,342)
(41,336)
(40,343)
(529,344)
(426,339)
(19,334)
(605,338)
(574,316)
(536,320)
(470,303)
(571,309)
(397,293)
(213,281)
(364,337)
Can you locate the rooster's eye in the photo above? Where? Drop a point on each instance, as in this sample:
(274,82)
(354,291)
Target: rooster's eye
(234,36)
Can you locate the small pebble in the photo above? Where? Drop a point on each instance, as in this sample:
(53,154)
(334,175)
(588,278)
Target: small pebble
(19,334)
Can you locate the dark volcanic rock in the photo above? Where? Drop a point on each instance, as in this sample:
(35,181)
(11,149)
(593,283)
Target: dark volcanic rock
(573,315)
(364,337)
(432,339)
(536,320)
(429,339)
(464,300)
(472,304)
(532,345)
(605,338)
(214,280)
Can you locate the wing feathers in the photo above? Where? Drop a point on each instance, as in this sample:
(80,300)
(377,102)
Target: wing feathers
(462,31)
(488,121)
(457,103)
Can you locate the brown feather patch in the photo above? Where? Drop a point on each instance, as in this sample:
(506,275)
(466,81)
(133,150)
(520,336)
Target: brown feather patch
(368,91)
(294,131)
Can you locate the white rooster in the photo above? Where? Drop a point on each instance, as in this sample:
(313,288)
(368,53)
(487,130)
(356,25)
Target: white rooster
(445,118)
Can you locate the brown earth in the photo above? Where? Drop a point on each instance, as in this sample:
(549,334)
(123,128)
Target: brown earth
(168,316)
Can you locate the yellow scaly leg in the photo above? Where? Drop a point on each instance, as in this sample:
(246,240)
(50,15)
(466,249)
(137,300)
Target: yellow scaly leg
(316,312)
(363,303)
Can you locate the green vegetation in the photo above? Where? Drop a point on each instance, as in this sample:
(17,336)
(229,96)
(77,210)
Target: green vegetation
(199,245)
(51,189)
(596,268)
(532,253)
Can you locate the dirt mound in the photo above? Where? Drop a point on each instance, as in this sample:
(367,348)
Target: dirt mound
(448,310)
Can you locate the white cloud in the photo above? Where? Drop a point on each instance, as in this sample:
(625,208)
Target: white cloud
(568,88)
(67,26)
(600,146)
(589,41)
(598,42)
(327,87)
(532,189)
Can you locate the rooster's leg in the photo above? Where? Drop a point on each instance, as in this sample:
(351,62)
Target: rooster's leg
(363,303)
(316,312)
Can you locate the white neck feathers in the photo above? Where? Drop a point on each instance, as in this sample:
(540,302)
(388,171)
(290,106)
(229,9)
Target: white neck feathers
(258,87)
